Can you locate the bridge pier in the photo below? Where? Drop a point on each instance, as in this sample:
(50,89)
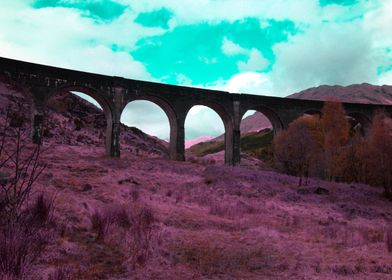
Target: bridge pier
(236,147)
(38,120)
(113,139)
(38,94)
(177,140)
(232,146)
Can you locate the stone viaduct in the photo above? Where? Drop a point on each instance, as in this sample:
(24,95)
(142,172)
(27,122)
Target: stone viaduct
(40,82)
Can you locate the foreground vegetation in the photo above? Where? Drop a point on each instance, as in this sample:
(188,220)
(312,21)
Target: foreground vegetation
(142,217)
(328,147)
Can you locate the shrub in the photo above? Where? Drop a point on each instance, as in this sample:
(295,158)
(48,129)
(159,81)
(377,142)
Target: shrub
(231,210)
(23,240)
(40,213)
(60,273)
(102,220)
(23,227)
(142,236)
(388,240)
(210,259)
(295,149)
(139,230)
(99,224)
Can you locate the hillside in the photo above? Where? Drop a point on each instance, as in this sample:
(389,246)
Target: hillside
(190,143)
(255,122)
(183,220)
(72,120)
(256,137)
(256,144)
(252,123)
(360,93)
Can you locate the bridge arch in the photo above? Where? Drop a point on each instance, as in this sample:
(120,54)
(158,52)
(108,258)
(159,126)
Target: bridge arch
(358,118)
(272,116)
(312,111)
(168,111)
(111,142)
(228,123)
(93,93)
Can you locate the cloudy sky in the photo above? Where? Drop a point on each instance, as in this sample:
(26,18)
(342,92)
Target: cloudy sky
(269,47)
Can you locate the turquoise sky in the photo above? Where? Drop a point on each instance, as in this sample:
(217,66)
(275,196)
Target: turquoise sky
(269,47)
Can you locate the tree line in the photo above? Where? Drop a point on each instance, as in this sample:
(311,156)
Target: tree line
(328,147)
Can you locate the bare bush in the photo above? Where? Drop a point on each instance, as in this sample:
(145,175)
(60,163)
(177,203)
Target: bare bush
(23,233)
(231,210)
(102,220)
(23,240)
(143,233)
(139,230)
(60,273)
(99,224)
(211,260)
(19,164)
(388,240)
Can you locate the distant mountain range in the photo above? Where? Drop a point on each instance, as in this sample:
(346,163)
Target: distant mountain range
(190,143)
(359,93)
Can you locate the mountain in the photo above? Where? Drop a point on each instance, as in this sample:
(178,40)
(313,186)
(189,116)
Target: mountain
(190,143)
(359,93)
(255,122)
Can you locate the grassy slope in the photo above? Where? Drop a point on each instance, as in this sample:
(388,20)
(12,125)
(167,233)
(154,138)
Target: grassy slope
(215,222)
(257,144)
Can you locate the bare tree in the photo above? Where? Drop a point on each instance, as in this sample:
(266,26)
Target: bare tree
(380,151)
(22,222)
(295,148)
(336,135)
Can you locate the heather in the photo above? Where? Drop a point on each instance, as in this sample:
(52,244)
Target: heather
(143,216)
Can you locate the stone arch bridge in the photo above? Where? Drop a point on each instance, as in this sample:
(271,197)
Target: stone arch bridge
(40,82)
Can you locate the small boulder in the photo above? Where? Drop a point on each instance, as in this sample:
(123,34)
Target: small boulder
(4,179)
(87,187)
(312,190)
(321,191)
(304,191)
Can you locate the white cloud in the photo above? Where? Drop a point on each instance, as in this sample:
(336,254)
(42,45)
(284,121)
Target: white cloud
(38,35)
(378,23)
(188,12)
(183,80)
(231,48)
(247,82)
(385,79)
(301,12)
(325,54)
(256,62)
